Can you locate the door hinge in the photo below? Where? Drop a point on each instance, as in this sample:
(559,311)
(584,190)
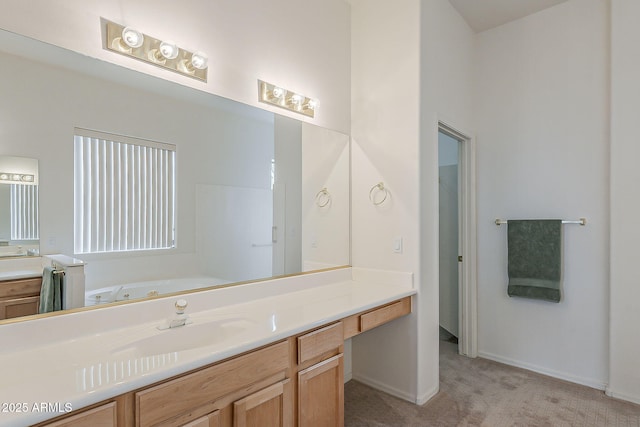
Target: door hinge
(459,258)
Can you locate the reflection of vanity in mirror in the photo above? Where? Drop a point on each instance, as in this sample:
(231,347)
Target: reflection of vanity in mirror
(19,236)
(258,194)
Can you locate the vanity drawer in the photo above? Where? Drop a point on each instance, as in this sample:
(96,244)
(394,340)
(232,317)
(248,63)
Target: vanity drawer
(319,342)
(18,307)
(362,322)
(102,416)
(194,395)
(385,314)
(20,288)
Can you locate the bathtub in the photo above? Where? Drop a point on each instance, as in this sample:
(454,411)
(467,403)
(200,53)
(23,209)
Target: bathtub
(135,290)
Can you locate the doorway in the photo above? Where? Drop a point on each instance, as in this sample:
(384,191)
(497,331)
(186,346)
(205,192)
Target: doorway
(457,241)
(448,194)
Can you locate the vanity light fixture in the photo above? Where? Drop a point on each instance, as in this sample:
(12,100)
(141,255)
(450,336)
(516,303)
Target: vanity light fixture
(283,98)
(16,177)
(164,53)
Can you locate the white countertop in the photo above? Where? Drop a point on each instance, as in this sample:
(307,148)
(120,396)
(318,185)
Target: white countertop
(19,274)
(20,268)
(67,370)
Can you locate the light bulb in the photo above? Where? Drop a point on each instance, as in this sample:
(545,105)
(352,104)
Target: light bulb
(312,104)
(169,50)
(15,177)
(27,178)
(199,60)
(297,99)
(132,38)
(4,176)
(278,92)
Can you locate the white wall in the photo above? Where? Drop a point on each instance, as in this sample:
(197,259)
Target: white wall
(286,42)
(447,64)
(405,79)
(385,64)
(624,364)
(542,135)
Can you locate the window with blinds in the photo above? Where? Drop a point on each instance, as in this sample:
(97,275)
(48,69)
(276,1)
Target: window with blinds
(124,193)
(24,212)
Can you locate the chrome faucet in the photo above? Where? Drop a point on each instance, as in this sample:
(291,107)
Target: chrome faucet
(180,319)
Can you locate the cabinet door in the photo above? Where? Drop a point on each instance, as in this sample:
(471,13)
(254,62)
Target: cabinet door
(16,307)
(269,407)
(321,394)
(210,420)
(102,416)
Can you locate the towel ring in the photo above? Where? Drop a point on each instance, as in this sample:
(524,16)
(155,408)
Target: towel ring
(323,198)
(379,187)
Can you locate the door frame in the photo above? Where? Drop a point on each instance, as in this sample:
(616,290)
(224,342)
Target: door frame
(467,240)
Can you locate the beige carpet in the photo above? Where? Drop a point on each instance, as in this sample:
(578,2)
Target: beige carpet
(479,392)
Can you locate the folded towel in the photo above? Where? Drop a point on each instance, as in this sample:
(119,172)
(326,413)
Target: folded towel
(535,258)
(51,291)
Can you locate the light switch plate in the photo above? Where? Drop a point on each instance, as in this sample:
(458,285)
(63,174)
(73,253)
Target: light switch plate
(397,244)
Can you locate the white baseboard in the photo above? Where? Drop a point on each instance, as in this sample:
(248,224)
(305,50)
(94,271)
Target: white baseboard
(589,382)
(622,396)
(424,398)
(385,388)
(348,376)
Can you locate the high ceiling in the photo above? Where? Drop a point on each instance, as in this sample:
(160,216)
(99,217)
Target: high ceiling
(485,14)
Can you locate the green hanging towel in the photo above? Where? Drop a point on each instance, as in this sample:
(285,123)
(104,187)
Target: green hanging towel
(51,291)
(535,258)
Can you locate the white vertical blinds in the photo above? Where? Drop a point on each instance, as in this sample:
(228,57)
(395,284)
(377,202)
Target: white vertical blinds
(24,212)
(124,193)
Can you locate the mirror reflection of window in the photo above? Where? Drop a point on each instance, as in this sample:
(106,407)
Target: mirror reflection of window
(24,212)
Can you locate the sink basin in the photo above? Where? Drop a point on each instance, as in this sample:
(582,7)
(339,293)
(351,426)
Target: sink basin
(189,337)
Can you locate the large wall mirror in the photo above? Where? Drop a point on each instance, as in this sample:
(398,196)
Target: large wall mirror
(258,194)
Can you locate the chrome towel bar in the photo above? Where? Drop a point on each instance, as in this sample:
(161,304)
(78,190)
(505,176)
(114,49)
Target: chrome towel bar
(581,221)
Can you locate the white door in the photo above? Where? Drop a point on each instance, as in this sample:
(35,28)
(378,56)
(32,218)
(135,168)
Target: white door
(458,258)
(448,153)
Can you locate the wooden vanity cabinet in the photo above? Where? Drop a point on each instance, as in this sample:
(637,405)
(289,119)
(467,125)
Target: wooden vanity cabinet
(19,297)
(320,377)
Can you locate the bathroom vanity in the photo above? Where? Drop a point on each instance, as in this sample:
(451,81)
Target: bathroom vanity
(297,381)
(267,355)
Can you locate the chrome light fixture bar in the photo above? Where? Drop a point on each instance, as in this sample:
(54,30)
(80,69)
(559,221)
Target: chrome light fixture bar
(283,98)
(164,53)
